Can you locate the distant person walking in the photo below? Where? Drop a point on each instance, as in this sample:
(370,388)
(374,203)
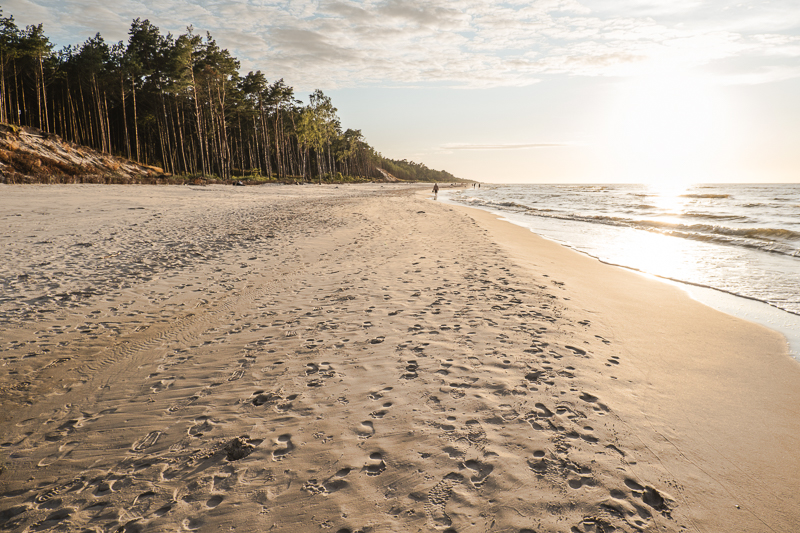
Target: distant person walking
(435,190)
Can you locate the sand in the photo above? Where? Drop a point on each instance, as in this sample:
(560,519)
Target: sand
(361,358)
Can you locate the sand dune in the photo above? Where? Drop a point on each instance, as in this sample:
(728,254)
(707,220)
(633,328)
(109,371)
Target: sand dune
(361,358)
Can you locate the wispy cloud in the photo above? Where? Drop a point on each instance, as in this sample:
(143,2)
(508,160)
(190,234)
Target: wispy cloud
(502,146)
(459,43)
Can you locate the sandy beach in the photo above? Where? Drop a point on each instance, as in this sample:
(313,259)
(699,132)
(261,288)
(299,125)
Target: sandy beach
(364,359)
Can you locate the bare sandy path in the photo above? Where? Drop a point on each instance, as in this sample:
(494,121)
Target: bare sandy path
(303,359)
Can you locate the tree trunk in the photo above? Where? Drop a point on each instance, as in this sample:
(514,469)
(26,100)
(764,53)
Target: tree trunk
(226,153)
(24,105)
(44,97)
(200,135)
(135,122)
(125,117)
(87,120)
(108,123)
(3,99)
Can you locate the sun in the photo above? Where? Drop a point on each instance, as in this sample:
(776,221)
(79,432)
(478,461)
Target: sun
(666,126)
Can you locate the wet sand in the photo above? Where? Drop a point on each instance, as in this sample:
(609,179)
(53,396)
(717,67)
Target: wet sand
(361,358)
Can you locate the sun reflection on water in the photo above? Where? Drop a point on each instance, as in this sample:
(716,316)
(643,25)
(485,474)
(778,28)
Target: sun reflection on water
(654,252)
(670,197)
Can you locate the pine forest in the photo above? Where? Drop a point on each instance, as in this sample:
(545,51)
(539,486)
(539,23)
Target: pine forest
(180,103)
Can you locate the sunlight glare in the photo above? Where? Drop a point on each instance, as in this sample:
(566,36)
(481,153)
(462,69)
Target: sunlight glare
(652,252)
(667,125)
(669,197)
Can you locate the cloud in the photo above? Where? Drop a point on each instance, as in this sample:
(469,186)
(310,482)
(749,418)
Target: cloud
(506,146)
(456,43)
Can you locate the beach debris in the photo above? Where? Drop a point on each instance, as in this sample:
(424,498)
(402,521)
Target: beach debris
(239,448)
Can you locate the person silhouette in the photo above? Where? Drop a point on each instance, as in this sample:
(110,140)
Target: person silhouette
(435,190)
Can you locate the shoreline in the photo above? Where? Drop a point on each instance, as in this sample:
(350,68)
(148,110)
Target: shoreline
(679,364)
(364,358)
(746,308)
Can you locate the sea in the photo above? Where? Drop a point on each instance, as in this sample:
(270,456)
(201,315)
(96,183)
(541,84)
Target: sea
(733,247)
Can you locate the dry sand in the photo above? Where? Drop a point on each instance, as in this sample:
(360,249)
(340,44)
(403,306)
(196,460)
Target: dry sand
(361,358)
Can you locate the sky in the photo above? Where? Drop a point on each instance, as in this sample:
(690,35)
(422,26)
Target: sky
(552,91)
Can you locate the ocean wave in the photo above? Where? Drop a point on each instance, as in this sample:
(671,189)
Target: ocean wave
(705,196)
(712,216)
(773,240)
(577,187)
(762,233)
(511,204)
(733,229)
(770,240)
(732,240)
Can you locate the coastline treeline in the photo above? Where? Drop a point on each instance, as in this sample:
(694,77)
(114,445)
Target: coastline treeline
(180,103)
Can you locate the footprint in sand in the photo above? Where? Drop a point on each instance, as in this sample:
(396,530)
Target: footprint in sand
(202,425)
(365,430)
(587,436)
(333,484)
(577,483)
(64,429)
(475,433)
(605,341)
(192,524)
(142,503)
(184,403)
(265,398)
(162,384)
(214,501)
(51,493)
(379,394)
(599,407)
(145,442)
(589,398)
(237,374)
(381,413)
(544,412)
(336,482)
(507,412)
(538,464)
(482,471)
(376,466)
(285,446)
(164,509)
(411,370)
(576,351)
(438,497)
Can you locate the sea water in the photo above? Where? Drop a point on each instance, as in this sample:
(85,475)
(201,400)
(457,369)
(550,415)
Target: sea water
(734,247)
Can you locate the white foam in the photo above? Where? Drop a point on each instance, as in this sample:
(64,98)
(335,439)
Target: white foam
(786,323)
